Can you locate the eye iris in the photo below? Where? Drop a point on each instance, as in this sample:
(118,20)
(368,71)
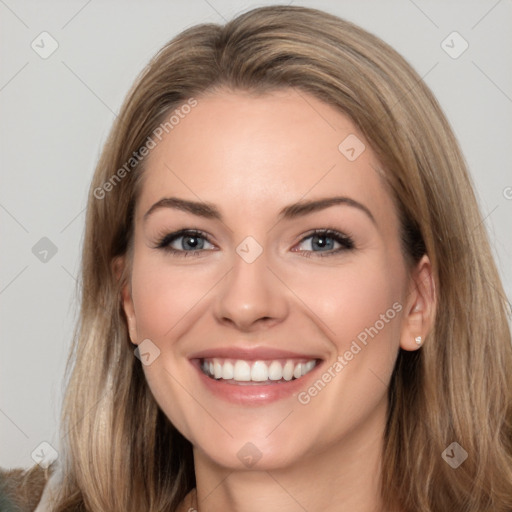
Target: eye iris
(197,242)
(320,240)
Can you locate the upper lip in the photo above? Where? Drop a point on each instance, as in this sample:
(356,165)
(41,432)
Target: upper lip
(250,354)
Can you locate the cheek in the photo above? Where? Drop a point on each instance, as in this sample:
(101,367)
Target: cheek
(166,299)
(354,299)
(359,311)
(163,295)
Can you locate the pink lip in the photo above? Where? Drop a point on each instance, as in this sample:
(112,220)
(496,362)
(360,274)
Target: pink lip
(250,354)
(249,393)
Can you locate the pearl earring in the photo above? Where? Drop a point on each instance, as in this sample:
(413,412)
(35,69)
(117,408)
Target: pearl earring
(418,340)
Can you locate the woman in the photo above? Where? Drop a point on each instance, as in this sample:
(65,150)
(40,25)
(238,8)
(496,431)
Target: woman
(288,298)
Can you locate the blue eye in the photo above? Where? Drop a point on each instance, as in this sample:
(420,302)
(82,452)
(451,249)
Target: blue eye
(187,241)
(191,242)
(325,240)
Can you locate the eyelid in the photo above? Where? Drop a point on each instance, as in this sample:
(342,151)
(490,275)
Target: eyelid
(166,238)
(326,232)
(345,240)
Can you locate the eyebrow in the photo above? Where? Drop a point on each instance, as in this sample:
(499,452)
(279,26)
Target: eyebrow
(292,211)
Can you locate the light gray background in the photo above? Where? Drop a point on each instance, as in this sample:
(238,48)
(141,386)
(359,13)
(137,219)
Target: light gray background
(56,113)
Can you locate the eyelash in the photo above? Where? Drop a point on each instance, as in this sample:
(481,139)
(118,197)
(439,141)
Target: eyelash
(345,241)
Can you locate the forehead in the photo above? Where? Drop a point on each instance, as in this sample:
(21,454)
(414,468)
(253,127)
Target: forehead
(250,153)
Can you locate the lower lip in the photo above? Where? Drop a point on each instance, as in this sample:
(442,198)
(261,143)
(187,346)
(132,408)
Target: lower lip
(249,393)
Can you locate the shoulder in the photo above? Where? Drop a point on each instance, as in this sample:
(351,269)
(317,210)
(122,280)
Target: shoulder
(21,490)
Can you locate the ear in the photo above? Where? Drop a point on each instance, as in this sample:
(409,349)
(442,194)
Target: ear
(119,266)
(420,306)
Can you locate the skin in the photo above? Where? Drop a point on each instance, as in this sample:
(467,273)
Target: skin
(251,156)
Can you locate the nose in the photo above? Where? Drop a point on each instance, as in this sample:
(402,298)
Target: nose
(251,297)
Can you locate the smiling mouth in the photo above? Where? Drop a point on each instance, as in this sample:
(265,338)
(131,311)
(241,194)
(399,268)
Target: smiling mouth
(240,371)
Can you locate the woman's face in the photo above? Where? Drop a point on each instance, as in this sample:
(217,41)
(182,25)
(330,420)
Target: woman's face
(300,329)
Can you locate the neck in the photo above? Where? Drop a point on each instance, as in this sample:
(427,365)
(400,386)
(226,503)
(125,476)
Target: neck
(344,476)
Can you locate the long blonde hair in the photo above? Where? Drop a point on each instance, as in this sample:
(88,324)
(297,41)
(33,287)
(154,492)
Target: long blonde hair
(119,451)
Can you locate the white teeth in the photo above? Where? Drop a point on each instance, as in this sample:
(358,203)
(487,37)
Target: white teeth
(308,367)
(228,371)
(259,371)
(288,370)
(256,371)
(242,371)
(275,371)
(217,369)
